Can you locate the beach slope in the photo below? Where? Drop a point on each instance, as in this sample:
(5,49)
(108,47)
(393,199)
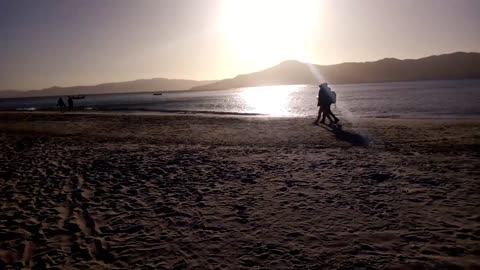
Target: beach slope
(104,191)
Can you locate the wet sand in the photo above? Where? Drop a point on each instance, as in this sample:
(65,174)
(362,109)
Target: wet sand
(86,191)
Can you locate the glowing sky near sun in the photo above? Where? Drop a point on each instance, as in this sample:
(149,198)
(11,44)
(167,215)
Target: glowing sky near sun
(69,42)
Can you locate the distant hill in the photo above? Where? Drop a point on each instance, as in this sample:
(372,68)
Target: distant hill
(453,66)
(144,85)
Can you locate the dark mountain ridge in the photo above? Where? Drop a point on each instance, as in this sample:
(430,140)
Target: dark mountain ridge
(455,66)
(143,85)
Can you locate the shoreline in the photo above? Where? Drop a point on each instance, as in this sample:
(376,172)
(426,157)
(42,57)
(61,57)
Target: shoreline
(235,88)
(360,118)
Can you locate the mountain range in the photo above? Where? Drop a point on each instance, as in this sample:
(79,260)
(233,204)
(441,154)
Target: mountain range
(143,85)
(454,66)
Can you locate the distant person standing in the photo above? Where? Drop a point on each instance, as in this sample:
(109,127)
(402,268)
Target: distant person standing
(70,103)
(61,104)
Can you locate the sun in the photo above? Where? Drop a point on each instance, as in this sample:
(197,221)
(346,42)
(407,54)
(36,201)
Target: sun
(265,32)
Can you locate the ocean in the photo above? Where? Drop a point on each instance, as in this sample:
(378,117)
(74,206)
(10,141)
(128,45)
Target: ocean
(425,99)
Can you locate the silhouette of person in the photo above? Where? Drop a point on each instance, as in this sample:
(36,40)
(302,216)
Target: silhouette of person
(321,111)
(61,104)
(70,103)
(325,104)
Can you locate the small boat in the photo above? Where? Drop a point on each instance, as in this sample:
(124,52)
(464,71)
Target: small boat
(78,97)
(157,94)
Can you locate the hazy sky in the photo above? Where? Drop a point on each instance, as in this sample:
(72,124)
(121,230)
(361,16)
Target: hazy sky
(71,42)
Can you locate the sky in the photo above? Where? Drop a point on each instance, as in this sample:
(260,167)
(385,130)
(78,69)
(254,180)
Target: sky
(82,42)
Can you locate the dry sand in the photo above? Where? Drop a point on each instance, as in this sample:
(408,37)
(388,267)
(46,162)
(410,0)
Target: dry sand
(200,192)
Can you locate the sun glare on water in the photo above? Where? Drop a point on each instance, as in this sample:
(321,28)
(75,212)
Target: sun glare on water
(267,32)
(271,100)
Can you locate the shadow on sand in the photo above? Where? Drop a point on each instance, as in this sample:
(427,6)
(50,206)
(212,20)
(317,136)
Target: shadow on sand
(347,136)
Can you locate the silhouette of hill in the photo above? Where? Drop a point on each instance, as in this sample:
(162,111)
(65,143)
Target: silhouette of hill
(144,85)
(453,66)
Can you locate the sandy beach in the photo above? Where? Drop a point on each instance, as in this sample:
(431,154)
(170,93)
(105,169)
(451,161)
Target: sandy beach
(111,191)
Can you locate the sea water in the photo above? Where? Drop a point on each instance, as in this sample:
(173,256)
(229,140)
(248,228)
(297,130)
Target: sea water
(424,99)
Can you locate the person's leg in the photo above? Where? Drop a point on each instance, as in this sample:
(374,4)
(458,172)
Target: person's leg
(336,118)
(324,114)
(319,114)
(330,113)
(327,115)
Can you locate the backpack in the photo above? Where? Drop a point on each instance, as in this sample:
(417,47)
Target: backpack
(333,97)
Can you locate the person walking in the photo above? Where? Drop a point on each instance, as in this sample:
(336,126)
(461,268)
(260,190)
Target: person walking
(321,110)
(326,97)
